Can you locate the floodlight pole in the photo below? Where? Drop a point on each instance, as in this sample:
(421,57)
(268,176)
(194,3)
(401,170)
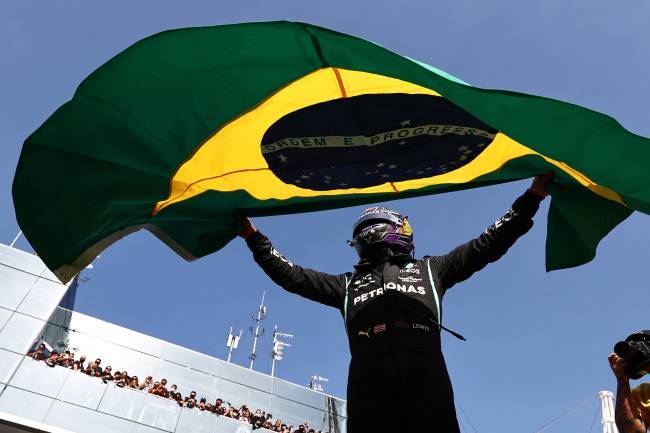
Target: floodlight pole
(278,347)
(607,409)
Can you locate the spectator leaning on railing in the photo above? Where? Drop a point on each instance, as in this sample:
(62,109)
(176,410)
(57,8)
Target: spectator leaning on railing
(219,408)
(66,359)
(79,365)
(123,380)
(174,394)
(38,353)
(190,401)
(133,383)
(148,383)
(94,369)
(107,375)
(53,359)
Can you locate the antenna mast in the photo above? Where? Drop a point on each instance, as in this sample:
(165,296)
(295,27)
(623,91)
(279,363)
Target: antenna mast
(233,342)
(278,347)
(607,408)
(261,312)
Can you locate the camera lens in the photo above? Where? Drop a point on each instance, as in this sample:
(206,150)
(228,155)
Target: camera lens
(623,349)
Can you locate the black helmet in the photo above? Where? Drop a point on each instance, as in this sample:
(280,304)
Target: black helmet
(379,227)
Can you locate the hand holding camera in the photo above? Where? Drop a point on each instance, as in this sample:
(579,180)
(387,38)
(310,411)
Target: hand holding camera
(632,356)
(618,366)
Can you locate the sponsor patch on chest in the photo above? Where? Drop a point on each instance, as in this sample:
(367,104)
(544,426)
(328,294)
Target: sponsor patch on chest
(404,288)
(363,281)
(409,279)
(410,268)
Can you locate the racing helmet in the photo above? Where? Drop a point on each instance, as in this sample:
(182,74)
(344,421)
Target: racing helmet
(378,228)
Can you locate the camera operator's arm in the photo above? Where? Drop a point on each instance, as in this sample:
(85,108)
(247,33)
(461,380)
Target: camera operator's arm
(317,286)
(626,413)
(494,242)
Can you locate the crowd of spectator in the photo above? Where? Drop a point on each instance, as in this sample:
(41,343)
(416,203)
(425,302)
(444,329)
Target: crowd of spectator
(258,419)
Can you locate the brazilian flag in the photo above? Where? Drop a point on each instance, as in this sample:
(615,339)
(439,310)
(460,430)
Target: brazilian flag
(184,127)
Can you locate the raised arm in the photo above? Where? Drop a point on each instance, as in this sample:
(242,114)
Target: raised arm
(626,413)
(495,241)
(317,286)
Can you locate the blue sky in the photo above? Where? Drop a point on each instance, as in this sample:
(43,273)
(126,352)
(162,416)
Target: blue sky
(537,342)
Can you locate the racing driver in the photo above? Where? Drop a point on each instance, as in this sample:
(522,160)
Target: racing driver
(391,306)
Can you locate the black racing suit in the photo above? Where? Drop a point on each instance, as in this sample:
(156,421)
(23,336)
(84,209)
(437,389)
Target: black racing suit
(398,380)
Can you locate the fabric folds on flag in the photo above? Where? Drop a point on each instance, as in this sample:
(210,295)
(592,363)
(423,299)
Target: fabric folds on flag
(184,127)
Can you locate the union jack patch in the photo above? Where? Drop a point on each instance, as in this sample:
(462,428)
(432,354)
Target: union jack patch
(379,328)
